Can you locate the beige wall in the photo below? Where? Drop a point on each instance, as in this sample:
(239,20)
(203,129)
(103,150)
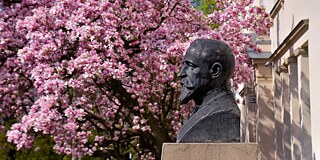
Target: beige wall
(301,97)
(265,118)
(314,66)
(295,81)
(288,17)
(295,110)
(258,119)
(293,113)
(248,115)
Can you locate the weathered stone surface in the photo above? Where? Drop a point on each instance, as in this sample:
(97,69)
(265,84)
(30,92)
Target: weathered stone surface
(210,151)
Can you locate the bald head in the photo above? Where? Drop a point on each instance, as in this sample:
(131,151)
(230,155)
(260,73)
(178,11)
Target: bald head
(211,51)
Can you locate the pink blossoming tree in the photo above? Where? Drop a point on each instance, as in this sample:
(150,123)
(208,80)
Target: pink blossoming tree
(100,76)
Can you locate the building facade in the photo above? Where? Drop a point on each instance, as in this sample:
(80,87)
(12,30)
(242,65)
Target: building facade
(283,117)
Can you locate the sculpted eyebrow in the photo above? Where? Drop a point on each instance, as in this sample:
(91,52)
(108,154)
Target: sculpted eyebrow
(189,63)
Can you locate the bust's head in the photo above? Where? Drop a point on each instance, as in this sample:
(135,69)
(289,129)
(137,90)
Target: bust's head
(208,64)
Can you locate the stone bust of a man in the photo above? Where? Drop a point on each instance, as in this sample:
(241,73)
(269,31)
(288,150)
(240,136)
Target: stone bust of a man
(208,67)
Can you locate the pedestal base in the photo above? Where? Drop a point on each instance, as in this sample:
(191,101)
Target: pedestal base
(210,151)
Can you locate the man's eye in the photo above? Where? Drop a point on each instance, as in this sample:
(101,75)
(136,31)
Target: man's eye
(190,64)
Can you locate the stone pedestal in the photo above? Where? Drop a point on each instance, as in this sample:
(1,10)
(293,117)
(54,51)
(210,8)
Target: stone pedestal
(210,151)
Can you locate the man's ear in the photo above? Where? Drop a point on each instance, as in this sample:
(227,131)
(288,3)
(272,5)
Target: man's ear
(215,69)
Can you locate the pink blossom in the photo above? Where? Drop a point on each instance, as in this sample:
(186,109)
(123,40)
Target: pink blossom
(95,74)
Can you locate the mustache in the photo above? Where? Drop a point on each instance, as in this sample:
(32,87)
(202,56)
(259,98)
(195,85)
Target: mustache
(185,82)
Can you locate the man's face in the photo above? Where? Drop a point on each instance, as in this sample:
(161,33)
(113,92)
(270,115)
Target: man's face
(194,75)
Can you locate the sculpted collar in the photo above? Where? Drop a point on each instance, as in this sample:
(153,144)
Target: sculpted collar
(211,96)
(215,94)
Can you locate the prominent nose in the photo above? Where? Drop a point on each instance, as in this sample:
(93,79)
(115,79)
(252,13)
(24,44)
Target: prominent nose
(183,72)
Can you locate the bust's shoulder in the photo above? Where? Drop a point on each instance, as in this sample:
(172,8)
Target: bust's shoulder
(222,126)
(220,101)
(217,120)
